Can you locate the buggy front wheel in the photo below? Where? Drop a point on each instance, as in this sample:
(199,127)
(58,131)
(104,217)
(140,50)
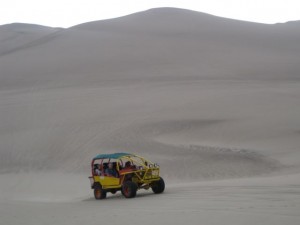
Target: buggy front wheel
(129,189)
(158,186)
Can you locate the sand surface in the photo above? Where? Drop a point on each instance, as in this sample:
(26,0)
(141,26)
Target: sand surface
(215,102)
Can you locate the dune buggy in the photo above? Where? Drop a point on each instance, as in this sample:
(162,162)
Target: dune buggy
(124,172)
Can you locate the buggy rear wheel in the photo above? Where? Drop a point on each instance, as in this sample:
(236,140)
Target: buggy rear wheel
(114,191)
(99,193)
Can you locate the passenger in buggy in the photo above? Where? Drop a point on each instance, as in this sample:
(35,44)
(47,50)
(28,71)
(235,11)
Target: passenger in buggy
(98,170)
(110,171)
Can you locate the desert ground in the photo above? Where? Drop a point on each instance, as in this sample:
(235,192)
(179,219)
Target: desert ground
(214,101)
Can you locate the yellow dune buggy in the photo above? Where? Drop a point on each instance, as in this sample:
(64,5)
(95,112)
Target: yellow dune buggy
(124,172)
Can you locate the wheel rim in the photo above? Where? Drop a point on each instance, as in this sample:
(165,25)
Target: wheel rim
(98,193)
(126,191)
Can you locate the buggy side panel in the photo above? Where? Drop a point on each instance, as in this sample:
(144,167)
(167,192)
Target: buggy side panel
(106,181)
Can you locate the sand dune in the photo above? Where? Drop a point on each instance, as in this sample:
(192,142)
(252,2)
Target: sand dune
(200,46)
(102,85)
(17,36)
(214,101)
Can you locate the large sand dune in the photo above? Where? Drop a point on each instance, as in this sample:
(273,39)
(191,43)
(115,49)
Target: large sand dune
(207,98)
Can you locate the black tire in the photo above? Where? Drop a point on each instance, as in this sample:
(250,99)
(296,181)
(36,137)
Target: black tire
(114,191)
(158,186)
(129,189)
(99,193)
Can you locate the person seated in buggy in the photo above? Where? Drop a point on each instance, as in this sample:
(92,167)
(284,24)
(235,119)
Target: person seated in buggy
(98,170)
(111,171)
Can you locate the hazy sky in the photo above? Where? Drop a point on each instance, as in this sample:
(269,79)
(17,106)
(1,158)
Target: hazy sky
(66,13)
